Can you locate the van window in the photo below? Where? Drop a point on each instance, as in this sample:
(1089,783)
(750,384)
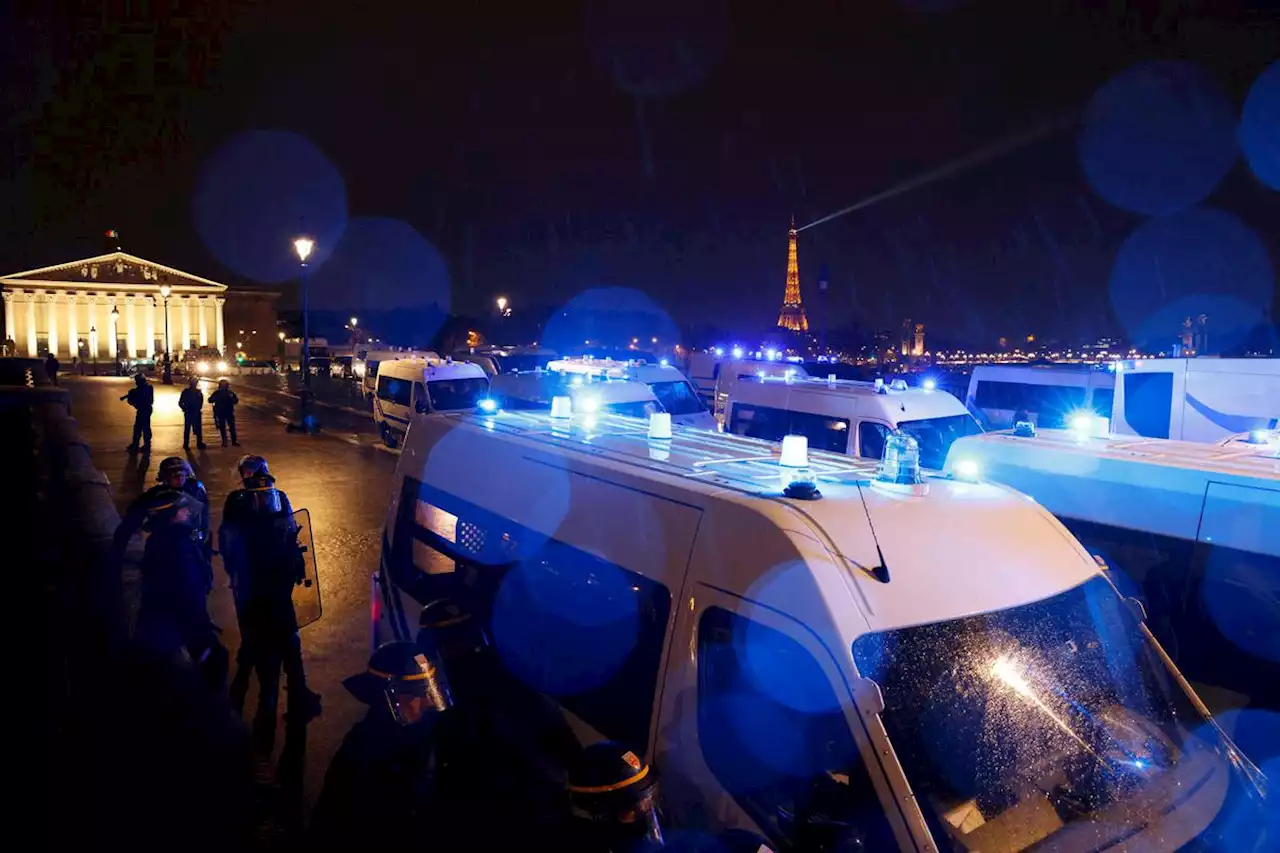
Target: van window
(1051,403)
(568,623)
(394,390)
(1103,399)
(871,437)
(772,731)
(934,435)
(634,409)
(453,394)
(1148,401)
(677,397)
(770,424)
(419,395)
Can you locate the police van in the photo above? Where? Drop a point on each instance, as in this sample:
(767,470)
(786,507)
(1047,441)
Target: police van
(419,386)
(537,389)
(807,645)
(1047,395)
(495,360)
(1196,399)
(848,416)
(732,372)
(673,391)
(366,363)
(1194,527)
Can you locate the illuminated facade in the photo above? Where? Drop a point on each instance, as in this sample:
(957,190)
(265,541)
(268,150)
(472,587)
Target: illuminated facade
(111,306)
(792,314)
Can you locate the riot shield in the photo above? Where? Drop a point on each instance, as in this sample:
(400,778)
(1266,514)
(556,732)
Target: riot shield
(306,593)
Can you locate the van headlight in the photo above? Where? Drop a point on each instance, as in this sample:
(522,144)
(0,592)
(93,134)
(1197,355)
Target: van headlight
(222,366)
(202,367)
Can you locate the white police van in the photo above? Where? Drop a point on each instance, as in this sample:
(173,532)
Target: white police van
(673,391)
(495,360)
(1047,395)
(537,389)
(1196,399)
(732,372)
(418,386)
(808,645)
(1194,527)
(848,416)
(365,365)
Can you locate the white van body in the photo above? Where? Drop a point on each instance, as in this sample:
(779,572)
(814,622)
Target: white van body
(1194,527)
(1196,399)
(847,416)
(703,370)
(736,370)
(417,386)
(536,389)
(666,595)
(1048,393)
(366,363)
(496,360)
(673,391)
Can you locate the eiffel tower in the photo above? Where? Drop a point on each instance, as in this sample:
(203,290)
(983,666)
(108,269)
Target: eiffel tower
(792,314)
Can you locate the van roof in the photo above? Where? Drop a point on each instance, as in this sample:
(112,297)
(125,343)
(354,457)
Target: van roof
(956,550)
(1151,485)
(432,370)
(640,369)
(847,396)
(542,385)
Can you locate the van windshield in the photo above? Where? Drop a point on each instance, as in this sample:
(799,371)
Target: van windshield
(520,362)
(677,397)
(456,394)
(934,435)
(635,409)
(1055,724)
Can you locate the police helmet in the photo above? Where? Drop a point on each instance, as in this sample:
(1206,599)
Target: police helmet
(172,466)
(451,629)
(615,793)
(252,466)
(166,507)
(407,677)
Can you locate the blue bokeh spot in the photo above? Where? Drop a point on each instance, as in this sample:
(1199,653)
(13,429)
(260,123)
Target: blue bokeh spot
(1260,126)
(1158,138)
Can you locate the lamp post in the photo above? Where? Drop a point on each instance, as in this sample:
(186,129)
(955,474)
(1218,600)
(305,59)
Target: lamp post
(115,337)
(168,349)
(303,246)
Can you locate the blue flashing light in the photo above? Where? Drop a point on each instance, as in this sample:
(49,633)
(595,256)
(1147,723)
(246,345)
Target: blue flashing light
(760,374)
(588,405)
(737,352)
(719,352)
(664,362)
(577,380)
(487,405)
(771,354)
(900,463)
(929,384)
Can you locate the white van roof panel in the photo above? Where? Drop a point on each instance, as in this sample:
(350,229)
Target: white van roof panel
(959,549)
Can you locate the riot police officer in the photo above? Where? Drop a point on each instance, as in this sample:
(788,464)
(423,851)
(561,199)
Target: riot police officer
(613,801)
(174,617)
(176,473)
(143,399)
(258,540)
(381,783)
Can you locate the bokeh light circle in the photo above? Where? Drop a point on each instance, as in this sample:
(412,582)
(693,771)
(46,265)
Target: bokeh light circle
(1240,596)
(1198,261)
(382,265)
(658,47)
(1158,137)
(1260,126)
(609,316)
(260,190)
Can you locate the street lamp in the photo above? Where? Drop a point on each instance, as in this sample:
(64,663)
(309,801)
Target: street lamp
(303,247)
(165,290)
(93,347)
(115,337)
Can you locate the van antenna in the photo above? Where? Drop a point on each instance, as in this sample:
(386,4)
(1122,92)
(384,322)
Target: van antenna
(880,572)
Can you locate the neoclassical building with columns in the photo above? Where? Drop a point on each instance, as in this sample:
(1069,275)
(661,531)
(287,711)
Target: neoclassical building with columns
(112,306)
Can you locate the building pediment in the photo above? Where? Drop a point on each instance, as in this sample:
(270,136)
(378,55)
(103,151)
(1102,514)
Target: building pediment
(115,270)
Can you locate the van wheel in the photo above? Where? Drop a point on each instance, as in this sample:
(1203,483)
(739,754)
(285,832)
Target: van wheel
(388,437)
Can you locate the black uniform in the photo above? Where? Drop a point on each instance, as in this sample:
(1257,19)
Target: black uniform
(51,367)
(260,552)
(191,401)
(175,577)
(224,402)
(143,399)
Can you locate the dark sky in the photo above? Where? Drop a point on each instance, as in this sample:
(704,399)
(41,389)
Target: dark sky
(545,148)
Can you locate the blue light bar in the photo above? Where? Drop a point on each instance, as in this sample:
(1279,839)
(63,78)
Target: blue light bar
(488,405)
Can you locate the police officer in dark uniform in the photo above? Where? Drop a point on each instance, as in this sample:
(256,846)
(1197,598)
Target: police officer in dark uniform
(613,802)
(495,722)
(259,545)
(143,399)
(380,786)
(191,401)
(174,617)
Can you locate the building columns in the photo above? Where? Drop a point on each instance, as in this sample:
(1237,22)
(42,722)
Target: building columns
(149,307)
(131,325)
(51,318)
(113,327)
(204,321)
(10,324)
(218,302)
(31,325)
(92,302)
(186,323)
(73,337)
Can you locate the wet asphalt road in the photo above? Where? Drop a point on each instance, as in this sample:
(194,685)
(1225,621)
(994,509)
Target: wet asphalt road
(341,477)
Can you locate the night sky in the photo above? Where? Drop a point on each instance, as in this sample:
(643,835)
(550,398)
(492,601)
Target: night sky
(546,148)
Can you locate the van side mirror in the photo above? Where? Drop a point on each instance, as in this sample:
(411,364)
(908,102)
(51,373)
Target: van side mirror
(421,407)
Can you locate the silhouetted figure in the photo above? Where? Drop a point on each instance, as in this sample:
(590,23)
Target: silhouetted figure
(224,402)
(51,367)
(191,401)
(143,399)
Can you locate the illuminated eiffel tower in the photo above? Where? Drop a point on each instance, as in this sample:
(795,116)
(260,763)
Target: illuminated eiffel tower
(792,314)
